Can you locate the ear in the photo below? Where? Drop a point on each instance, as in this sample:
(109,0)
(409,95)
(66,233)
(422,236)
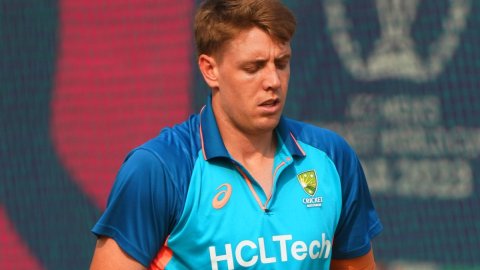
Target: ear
(208,68)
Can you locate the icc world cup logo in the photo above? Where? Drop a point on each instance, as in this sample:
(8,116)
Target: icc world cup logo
(394,54)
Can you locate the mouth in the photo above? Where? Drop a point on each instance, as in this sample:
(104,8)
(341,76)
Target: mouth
(270,102)
(270,106)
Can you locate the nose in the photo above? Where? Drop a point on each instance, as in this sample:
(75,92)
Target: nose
(272,79)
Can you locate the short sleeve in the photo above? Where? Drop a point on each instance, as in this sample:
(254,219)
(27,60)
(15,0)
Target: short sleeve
(141,207)
(358,222)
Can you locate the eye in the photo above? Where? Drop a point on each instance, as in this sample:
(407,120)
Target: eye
(251,68)
(282,64)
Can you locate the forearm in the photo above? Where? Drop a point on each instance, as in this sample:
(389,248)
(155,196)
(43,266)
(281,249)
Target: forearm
(365,262)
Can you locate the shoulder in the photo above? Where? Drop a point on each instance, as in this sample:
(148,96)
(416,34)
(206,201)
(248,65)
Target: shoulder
(323,139)
(334,146)
(174,145)
(168,159)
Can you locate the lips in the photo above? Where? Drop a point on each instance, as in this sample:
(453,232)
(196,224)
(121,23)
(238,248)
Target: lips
(270,106)
(270,102)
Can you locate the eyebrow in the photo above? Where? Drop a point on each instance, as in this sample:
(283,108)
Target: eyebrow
(283,57)
(263,61)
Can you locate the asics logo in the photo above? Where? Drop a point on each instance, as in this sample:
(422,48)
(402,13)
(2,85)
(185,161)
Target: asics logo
(222,197)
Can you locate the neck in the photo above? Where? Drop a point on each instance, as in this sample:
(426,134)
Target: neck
(243,146)
(254,150)
(246,144)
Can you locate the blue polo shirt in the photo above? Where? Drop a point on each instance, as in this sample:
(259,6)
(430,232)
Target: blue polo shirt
(181,202)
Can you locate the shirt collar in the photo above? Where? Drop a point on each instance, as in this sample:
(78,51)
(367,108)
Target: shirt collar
(212,143)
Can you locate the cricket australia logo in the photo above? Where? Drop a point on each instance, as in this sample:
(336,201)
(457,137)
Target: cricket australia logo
(308,181)
(394,54)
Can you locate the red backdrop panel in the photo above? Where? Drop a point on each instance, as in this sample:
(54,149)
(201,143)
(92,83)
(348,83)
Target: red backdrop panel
(124,72)
(16,255)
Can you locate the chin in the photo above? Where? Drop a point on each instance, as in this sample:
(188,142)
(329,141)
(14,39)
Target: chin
(268,125)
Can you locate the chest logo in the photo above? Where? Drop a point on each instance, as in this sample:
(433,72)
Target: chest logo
(308,181)
(222,197)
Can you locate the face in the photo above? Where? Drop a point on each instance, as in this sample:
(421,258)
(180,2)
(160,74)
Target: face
(249,81)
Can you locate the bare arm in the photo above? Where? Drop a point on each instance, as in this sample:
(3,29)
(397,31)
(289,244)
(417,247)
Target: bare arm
(109,256)
(365,262)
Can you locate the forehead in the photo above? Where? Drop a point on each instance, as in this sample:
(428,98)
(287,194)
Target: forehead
(254,43)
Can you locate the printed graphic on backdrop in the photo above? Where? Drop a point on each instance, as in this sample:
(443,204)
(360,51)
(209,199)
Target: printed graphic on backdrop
(394,54)
(429,160)
(123,76)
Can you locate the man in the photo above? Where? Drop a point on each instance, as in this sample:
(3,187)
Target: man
(238,185)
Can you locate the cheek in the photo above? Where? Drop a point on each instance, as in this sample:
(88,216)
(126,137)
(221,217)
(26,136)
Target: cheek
(239,88)
(238,102)
(285,75)
(244,88)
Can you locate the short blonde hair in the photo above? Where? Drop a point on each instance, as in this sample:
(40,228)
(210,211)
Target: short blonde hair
(218,21)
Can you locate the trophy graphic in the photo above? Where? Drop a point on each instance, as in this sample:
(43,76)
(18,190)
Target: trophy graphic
(394,54)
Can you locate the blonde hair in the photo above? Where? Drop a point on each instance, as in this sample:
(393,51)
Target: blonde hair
(218,21)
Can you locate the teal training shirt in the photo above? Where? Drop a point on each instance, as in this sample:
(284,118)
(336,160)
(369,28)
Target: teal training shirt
(181,202)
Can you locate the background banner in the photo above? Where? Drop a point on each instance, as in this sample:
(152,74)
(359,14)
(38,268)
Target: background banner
(83,82)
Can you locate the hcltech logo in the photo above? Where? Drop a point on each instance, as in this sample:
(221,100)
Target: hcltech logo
(283,248)
(308,181)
